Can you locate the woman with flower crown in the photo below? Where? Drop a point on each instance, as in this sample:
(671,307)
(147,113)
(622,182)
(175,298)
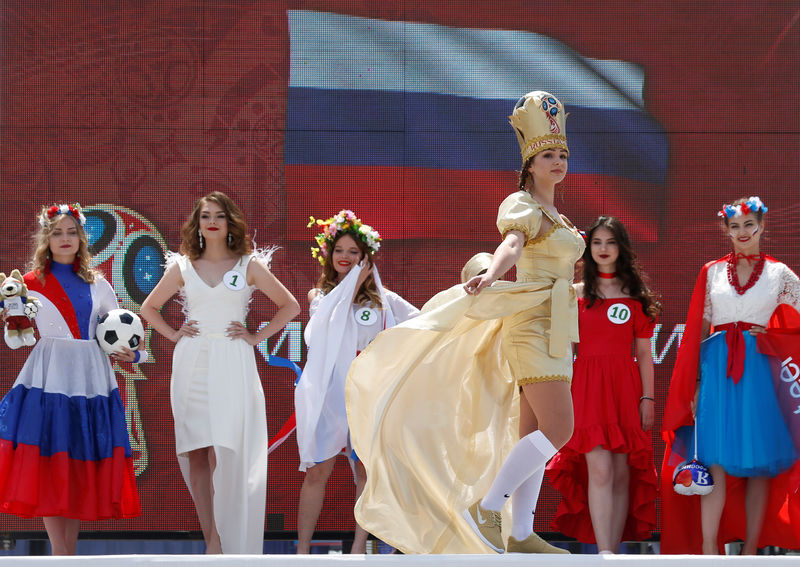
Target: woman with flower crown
(349,307)
(722,387)
(216,393)
(64,449)
(433,402)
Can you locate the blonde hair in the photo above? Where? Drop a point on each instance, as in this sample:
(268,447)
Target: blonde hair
(41,257)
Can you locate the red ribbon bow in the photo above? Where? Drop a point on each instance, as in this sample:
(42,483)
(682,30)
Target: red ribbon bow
(751,258)
(736,347)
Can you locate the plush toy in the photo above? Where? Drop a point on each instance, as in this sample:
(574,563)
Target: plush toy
(20,310)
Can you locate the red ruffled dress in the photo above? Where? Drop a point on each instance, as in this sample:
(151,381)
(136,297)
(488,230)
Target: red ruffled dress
(606,388)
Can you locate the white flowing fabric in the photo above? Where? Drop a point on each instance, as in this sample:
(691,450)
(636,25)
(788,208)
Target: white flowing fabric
(333,338)
(233,409)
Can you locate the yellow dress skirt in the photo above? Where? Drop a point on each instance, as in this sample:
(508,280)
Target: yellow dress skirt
(432,402)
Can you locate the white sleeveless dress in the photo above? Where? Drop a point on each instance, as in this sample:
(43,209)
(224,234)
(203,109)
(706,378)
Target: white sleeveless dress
(218,401)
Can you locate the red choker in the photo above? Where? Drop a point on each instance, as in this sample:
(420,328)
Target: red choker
(605,276)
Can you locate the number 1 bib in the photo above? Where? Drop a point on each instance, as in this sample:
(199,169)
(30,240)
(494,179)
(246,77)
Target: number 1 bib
(234,280)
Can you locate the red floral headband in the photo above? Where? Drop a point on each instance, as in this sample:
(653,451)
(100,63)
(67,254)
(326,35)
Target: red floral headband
(52,212)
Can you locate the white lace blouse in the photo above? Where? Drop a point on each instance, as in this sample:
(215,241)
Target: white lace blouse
(777,284)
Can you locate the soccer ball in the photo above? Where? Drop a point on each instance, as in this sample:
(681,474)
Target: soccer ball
(692,478)
(119,328)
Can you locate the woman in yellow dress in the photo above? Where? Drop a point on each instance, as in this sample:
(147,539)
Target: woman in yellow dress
(431,402)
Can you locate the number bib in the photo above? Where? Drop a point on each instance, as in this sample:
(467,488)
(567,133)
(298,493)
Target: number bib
(234,280)
(619,313)
(365,316)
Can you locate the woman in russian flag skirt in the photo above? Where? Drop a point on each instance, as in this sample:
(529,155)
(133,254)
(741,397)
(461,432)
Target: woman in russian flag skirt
(723,387)
(64,450)
(605,472)
(348,308)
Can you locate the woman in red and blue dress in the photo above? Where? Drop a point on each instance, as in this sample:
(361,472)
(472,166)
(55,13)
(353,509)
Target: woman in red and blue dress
(722,386)
(64,449)
(605,472)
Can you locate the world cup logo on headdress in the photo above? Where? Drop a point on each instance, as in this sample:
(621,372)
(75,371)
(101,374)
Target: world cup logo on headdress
(539,121)
(550,107)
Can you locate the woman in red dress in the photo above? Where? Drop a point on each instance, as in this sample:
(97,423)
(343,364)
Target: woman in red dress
(605,473)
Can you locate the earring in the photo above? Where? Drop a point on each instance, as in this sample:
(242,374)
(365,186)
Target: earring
(201,239)
(230,240)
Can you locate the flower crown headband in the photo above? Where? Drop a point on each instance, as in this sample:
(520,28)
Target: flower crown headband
(345,221)
(752,205)
(52,212)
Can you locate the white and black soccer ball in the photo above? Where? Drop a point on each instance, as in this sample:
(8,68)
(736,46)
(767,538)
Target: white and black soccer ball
(119,328)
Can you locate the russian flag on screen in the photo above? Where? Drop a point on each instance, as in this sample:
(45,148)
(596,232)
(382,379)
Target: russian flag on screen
(412,118)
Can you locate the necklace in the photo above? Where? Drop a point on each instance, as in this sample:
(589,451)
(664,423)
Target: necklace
(606,276)
(733,277)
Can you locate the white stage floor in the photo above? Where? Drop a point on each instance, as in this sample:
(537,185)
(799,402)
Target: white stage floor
(409,560)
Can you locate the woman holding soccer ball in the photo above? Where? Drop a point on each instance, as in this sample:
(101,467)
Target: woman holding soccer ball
(217,399)
(49,466)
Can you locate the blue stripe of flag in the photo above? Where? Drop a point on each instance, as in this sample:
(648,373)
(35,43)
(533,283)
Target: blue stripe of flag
(438,131)
(88,429)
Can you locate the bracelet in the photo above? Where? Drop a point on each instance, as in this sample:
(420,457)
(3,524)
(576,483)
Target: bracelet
(647,398)
(140,356)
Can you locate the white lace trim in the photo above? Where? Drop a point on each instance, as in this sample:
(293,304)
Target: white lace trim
(790,294)
(777,284)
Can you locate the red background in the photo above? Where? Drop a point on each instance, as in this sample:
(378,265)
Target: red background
(149,105)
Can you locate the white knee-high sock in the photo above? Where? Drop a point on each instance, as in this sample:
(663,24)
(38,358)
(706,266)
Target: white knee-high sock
(523,505)
(530,454)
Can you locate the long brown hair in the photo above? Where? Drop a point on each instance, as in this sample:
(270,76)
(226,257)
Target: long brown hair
(627,267)
(41,257)
(368,292)
(241,243)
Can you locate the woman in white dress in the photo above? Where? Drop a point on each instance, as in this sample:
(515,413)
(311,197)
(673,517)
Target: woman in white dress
(349,307)
(217,399)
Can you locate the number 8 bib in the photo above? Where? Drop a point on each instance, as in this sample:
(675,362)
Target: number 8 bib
(365,316)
